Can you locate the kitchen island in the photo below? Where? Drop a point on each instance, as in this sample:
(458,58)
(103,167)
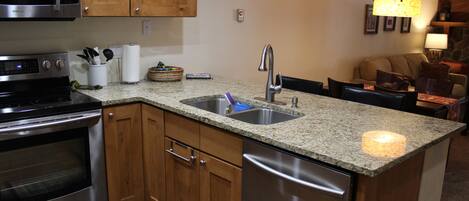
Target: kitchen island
(335,132)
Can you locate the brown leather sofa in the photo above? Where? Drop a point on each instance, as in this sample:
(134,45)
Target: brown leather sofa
(406,64)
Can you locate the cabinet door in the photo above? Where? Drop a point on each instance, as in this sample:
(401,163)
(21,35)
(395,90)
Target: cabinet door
(106,7)
(153,153)
(176,8)
(182,172)
(123,146)
(219,181)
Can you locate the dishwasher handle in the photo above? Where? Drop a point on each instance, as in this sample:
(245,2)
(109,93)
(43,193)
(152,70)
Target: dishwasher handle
(335,192)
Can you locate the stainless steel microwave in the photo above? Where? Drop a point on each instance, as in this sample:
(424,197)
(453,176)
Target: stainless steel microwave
(31,10)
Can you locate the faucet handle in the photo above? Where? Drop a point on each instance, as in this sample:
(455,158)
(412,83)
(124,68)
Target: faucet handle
(279,77)
(278,88)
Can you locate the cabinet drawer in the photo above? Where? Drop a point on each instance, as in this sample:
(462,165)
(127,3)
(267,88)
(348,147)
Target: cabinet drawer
(221,144)
(182,129)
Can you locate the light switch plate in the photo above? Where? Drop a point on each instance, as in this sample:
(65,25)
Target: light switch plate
(240,15)
(146,27)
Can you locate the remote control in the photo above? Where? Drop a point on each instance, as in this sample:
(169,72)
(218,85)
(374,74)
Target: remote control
(202,76)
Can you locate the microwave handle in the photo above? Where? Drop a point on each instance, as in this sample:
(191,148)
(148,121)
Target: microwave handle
(61,123)
(335,192)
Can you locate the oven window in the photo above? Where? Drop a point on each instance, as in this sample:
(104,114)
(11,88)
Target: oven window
(36,2)
(45,166)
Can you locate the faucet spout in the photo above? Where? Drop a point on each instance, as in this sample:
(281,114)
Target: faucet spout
(267,64)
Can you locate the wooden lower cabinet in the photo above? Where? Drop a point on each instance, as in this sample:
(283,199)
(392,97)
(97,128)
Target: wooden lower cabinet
(146,161)
(153,153)
(219,181)
(182,172)
(123,147)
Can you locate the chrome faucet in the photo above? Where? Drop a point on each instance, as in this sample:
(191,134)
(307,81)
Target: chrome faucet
(271,88)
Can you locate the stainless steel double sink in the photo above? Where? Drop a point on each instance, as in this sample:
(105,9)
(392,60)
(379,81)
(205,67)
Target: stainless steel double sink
(258,114)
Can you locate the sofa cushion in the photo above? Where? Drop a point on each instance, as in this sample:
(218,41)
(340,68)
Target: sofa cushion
(434,71)
(415,63)
(369,67)
(399,65)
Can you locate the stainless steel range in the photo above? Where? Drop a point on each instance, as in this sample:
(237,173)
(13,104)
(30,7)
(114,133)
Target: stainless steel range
(51,140)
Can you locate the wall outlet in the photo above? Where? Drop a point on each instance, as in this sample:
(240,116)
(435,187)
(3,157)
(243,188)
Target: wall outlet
(146,27)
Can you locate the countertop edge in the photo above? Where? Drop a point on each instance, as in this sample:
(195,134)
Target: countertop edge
(300,151)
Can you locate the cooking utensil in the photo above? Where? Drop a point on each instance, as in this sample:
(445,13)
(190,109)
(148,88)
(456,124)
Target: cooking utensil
(109,54)
(84,57)
(88,55)
(92,52)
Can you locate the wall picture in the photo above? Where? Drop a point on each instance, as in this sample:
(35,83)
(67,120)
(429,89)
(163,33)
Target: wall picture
(371,21)
(406,23)
(389,23)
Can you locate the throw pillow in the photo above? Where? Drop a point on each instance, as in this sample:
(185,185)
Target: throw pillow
(454,67)
(391,80)
(434,71)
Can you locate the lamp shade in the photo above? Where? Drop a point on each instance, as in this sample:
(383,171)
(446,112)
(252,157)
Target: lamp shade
(397,8)
(436,41)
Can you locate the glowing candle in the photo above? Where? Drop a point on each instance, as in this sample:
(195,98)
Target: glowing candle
(384,144)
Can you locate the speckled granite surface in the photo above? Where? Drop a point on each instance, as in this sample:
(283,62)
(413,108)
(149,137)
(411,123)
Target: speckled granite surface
(330,131)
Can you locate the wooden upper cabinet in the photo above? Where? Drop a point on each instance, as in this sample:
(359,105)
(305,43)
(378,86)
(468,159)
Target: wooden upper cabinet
(165,8)
(219,181)
(106,8)
(153,153)
(123,147)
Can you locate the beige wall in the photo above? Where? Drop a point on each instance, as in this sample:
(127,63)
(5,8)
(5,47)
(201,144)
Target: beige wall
(313,39)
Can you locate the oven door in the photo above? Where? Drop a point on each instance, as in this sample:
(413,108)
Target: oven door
(56,158)
(40,9)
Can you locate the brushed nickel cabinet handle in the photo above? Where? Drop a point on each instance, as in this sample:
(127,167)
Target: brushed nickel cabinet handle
(188,161)
(137,10)
(86,9)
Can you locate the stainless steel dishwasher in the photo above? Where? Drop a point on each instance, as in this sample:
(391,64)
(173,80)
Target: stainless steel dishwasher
(270,174)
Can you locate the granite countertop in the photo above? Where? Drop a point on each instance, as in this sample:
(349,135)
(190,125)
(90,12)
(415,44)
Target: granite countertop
(331,130)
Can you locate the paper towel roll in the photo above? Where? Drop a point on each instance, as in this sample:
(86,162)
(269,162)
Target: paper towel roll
(130,63)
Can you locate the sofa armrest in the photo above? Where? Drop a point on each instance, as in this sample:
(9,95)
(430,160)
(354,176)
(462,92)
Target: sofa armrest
(458,79)
(460,87)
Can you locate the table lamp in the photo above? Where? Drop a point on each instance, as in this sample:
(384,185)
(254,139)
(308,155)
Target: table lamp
(435,44)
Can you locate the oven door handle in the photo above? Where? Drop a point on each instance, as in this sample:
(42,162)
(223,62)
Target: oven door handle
(48,125)
(335,192)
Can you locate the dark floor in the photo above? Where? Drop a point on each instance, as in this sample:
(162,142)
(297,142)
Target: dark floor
(456,186)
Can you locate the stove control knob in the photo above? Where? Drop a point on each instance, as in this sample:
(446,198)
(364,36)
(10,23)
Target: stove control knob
(59,64)
(46,65)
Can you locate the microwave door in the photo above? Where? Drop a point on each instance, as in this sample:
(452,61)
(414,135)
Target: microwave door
(40,9)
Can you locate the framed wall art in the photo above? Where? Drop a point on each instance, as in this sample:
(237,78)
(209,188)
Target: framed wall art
(371,21)
(389,23)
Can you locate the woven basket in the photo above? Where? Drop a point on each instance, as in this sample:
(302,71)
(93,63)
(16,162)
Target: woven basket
(166,76)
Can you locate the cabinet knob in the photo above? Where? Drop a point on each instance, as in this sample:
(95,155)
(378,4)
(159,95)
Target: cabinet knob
(203,162)
(86,9)
(111,115)
(137,10)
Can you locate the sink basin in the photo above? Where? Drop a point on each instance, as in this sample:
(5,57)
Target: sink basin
(257,115)
(263,116)
(216,105)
